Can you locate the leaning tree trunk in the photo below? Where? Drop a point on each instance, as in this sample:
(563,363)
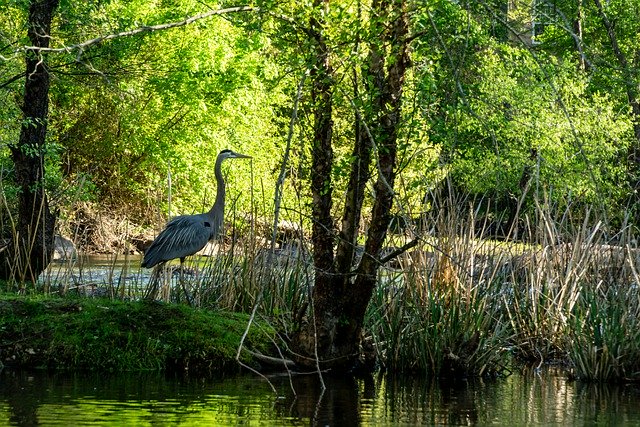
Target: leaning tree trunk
(342,291)
(31,247)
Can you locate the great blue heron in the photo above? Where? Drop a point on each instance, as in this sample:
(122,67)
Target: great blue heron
(185,235)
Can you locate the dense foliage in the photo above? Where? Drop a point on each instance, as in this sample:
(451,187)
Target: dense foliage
(500,117)
(126,114)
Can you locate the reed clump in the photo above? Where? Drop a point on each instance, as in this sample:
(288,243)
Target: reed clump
(575,298)
(603,338)
(441,312)
(464,301)
(555,287)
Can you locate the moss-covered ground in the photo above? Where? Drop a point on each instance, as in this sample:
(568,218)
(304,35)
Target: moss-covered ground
(102,334)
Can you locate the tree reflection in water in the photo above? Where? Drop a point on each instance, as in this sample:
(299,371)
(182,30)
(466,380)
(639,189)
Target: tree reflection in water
(525,398)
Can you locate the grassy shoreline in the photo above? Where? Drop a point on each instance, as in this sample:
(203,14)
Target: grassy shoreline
(460,303)
(111,335)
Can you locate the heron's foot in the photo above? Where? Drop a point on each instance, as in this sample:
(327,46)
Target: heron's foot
(176,271)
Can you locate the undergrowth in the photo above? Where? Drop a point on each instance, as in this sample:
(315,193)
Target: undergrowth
(461,302)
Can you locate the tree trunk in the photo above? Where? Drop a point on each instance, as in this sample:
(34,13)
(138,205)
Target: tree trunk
(631,87)
(332,336)
(387,105)
(322,156)
(31,248)
(577,36)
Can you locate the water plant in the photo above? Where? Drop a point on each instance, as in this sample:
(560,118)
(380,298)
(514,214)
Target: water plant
(603,338)
(461,302)
(441,313)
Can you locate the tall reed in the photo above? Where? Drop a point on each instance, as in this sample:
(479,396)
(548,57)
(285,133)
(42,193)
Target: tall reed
(279,280)
(461,301)
(438,313)
(571,296)
(603,333)
(603,338)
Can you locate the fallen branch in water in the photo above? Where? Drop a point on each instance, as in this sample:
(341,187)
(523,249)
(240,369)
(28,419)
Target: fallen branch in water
(270,360)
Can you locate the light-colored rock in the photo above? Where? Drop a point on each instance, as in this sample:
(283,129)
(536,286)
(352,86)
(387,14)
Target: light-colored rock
(63,249)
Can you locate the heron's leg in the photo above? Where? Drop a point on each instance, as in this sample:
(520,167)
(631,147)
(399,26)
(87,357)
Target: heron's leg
(166,283)
(152,287)
(184,289)
(182,284)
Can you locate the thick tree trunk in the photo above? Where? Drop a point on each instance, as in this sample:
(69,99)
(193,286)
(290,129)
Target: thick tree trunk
(323,236)
(32,245)
(332,335)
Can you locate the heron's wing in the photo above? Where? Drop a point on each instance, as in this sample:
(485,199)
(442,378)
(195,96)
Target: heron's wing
(183,236)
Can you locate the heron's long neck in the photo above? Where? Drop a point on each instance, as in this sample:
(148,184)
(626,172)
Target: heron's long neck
(219,203)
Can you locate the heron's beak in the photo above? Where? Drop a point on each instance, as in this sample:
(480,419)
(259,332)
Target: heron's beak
(242,156)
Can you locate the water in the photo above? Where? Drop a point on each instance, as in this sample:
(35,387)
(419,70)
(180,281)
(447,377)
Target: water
(524,398)
(527,397)
(89,272)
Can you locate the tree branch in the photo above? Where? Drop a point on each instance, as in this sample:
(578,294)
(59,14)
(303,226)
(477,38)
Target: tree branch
(402,249)
(145,29)
(11,80)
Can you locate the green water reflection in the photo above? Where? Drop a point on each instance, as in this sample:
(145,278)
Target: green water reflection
(526,398)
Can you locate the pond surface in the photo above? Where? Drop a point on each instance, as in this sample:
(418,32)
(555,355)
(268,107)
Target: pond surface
(526,397)
(523,398)
(87,273)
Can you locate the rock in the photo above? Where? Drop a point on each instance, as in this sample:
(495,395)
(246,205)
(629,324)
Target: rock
(63,249)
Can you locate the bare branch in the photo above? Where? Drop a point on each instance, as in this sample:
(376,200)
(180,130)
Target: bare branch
(11,80)
(399,251)
(272,361)
(285,162)
(145,29)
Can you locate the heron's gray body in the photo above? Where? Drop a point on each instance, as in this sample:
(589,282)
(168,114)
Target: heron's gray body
(187,234)
(183,236)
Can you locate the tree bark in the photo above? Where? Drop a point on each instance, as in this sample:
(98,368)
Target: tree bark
(31,248)
(341,293)
(631,88)
(577,36)
(322,155)
(387,106)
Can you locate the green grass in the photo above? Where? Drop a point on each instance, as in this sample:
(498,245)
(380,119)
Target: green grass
(603,335)
(104,334)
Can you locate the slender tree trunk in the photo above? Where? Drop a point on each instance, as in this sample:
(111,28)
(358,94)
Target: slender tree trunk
(32,246)
(358,177)
(354,198)
(631,86)
(387,106)
(577,29)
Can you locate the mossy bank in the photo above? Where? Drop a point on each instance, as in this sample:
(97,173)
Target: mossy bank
(101,334)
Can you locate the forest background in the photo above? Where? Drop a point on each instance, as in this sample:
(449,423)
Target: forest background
(514,105)
(501,115)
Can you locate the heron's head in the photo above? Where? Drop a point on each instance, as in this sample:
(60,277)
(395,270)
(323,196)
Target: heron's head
(228,154)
